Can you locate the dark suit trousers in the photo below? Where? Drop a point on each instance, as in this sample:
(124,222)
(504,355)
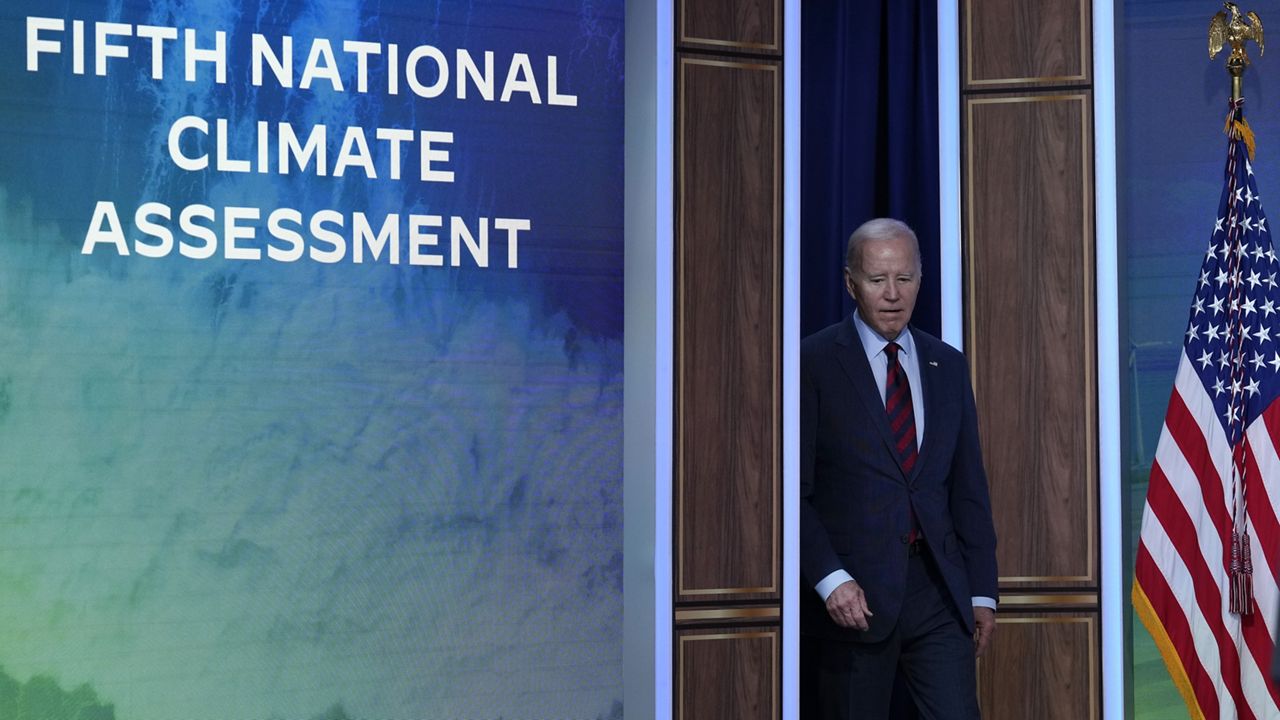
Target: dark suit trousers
(930,644)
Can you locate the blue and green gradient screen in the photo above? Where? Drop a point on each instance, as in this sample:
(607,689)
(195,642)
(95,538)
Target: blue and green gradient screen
(310,359)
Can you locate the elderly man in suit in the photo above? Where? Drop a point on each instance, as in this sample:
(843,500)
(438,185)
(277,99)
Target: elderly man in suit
(897,545)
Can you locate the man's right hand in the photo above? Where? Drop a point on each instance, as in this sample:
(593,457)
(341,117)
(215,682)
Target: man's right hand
(847,606)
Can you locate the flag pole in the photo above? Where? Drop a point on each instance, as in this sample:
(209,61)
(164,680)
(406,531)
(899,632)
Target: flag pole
(1229,27)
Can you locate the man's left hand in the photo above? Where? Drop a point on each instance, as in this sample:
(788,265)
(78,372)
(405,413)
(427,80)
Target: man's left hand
(984,626)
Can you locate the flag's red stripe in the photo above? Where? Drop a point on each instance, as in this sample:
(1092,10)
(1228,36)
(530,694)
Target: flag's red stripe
(1261,511)
(1169,610)
(1256,635)
(1180,528)
(1189,437)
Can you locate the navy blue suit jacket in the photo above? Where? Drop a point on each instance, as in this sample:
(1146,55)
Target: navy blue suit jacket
(855,497)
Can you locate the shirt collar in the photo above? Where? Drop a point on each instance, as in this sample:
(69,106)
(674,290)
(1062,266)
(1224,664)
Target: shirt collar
(873,344)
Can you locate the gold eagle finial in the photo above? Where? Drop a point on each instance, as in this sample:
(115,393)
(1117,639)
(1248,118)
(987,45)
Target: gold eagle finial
(1233,30)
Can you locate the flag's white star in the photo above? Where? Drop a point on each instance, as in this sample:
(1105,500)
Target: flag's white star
(1222,277)
(1262,334)
(1217,387)
(1262,223)
(1252,387)
(1254,279)
(1248,167)
(1217,225)
(1258,254)
(1249,309)
(1216,305)
(1268,307)
(1206,357)
(1223,360)
(1234,413)
(1197,305)
(1258,361)
(1212,333)
(1192,333)
(1239,197)
(1248,224)
(1275,362)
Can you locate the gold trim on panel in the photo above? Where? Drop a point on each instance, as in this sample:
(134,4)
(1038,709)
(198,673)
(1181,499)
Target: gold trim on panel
(1091,415)
(1049,599)
(729,591)
(730,43)
(1086,32)
(773,660)
(777,25)
(1049,579)
(741,65)
(766,613)
(681,588)
(1095,698)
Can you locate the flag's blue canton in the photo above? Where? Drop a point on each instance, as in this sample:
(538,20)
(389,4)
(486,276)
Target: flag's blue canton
(1233,337)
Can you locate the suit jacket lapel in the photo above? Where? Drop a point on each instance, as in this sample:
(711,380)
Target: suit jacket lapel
(853,359)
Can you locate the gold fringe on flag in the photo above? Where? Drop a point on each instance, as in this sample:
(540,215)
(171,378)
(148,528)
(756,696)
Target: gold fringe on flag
(1177,671)
(1245,133)
(1238,127)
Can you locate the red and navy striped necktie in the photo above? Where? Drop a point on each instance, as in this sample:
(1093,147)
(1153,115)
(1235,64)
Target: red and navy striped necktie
(902,415)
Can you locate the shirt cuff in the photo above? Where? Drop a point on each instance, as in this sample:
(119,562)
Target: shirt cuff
(986,602)
(829,583)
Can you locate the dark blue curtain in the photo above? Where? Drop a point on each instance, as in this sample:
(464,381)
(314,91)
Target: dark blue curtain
(869,142)
(869,148)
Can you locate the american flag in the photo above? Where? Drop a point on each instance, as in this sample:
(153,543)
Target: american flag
(1205,582)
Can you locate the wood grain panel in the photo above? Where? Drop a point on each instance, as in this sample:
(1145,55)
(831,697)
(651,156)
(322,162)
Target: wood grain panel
(727,330)
(1029,257)
(749,25)
(727,675)
(1014,42)
(1041,666)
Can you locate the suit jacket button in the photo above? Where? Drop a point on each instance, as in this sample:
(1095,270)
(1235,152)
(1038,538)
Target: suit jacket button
(905,539)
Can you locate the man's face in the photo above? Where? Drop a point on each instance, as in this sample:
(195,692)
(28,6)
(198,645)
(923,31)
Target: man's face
(884,283)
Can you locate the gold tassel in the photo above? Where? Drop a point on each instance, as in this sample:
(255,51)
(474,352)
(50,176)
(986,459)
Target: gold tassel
(1237,127)
(1245,133)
